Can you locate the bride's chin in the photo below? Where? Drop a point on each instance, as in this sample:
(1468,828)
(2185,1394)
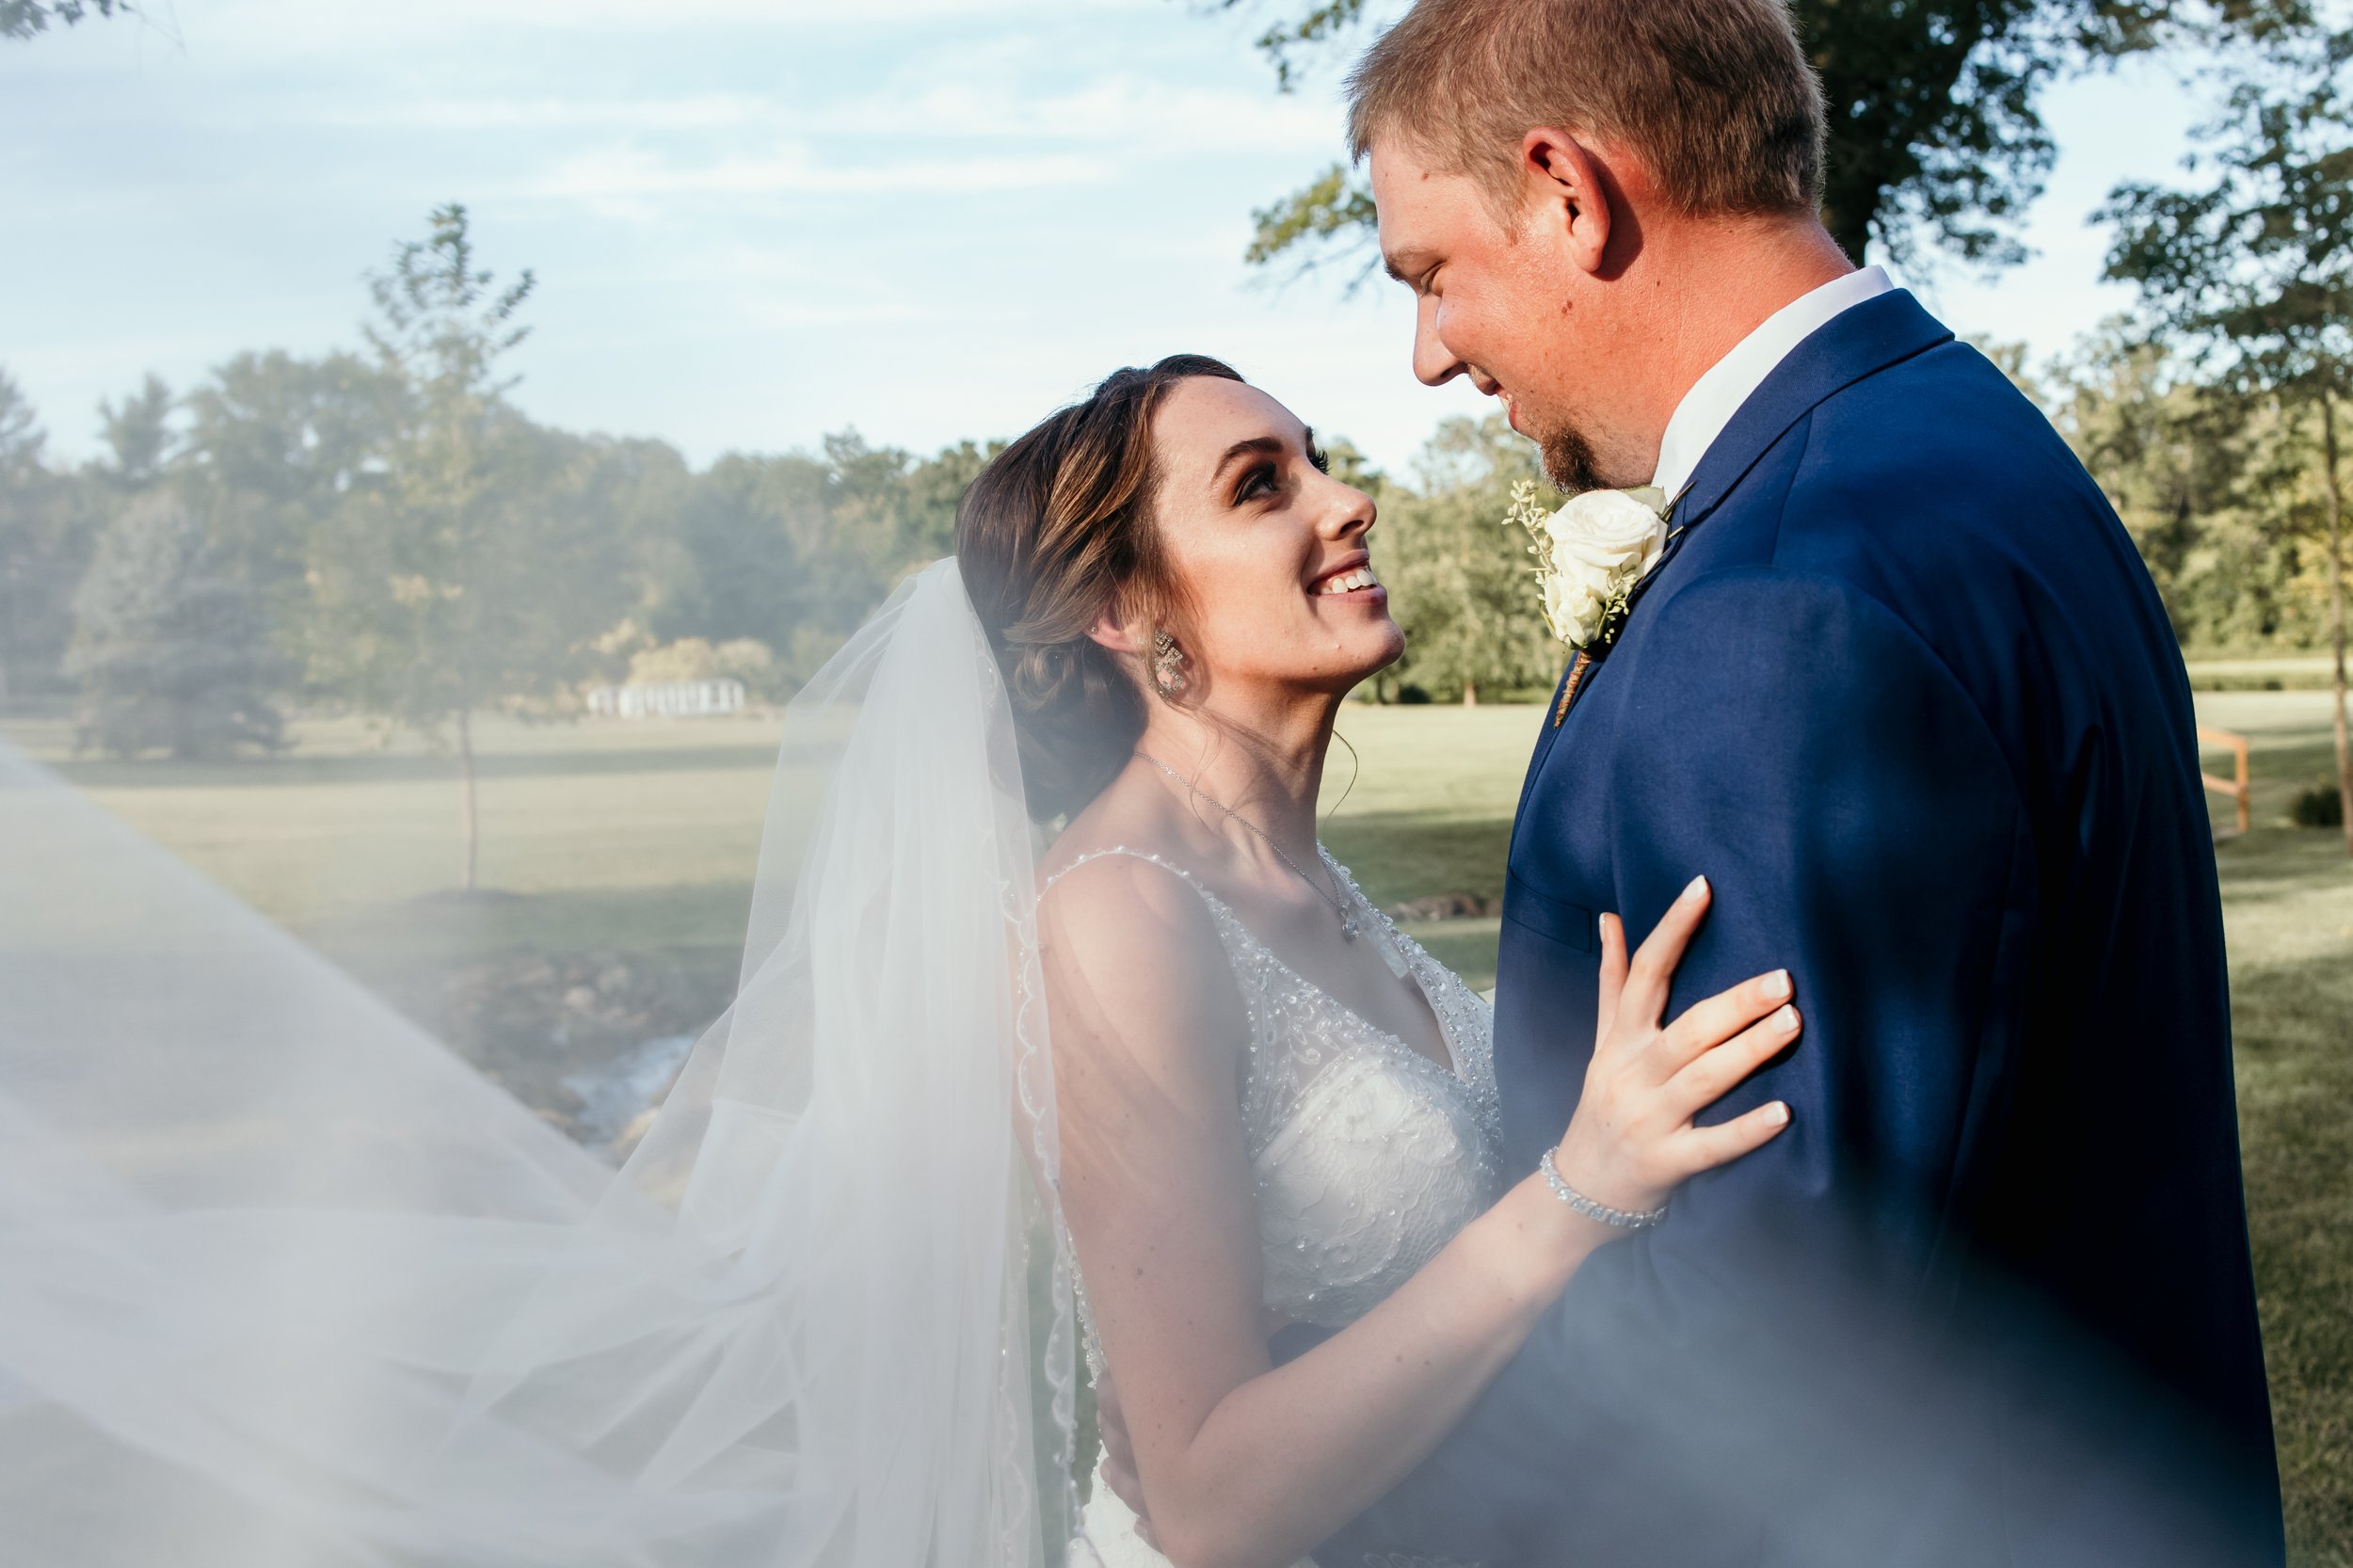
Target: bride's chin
(1376,656)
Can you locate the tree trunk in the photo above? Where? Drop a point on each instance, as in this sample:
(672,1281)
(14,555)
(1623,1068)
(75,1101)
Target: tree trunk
(1470,693)
(2336,608)
(466,786)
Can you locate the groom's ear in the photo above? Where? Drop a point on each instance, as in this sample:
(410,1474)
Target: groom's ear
(1571,191)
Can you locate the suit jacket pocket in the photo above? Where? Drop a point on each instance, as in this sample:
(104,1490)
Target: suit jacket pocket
(1547,916)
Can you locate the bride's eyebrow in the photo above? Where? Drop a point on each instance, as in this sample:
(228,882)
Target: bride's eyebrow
(1269,446)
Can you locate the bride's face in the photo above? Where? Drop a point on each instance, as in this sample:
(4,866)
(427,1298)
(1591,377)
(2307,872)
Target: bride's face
(1272,551)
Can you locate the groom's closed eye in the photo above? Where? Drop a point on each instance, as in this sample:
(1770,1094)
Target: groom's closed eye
(1410,268)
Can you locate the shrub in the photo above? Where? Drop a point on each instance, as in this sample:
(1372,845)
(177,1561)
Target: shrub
(2321,805)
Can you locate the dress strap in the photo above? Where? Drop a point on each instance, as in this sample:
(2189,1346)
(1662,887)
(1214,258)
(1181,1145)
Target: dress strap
(1217,905)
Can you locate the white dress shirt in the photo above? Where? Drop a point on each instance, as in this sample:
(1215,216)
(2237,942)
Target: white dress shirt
(1715,397)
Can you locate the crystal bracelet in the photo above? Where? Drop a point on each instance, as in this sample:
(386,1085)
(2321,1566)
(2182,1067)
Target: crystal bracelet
(1622,1219)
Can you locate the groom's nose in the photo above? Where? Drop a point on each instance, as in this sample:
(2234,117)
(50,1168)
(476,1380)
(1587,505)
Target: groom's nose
(1434,364)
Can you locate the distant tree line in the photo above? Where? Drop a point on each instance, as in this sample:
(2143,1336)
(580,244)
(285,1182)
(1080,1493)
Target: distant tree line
(383,531)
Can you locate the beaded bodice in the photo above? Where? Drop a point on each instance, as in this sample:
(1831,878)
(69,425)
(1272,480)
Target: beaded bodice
(1366,1156)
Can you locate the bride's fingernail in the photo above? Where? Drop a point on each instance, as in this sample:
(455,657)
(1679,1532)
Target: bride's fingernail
(1785,1020)
(1777,1114)
(1777,986)
(1697,886)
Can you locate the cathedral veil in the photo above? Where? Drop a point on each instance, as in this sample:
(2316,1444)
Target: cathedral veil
(284,1283)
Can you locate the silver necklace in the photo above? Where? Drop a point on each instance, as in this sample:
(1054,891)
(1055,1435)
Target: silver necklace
(1348,921)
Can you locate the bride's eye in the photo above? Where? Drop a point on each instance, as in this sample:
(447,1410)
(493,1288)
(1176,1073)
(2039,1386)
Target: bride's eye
(1258,482)
(1321,459)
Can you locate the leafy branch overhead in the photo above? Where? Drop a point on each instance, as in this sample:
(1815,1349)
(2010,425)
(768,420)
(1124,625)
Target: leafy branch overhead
(24,18)
(2255,267)
(1320,25)
(1936,139)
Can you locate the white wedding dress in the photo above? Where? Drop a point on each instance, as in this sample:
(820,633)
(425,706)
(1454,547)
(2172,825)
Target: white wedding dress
(1367,1155)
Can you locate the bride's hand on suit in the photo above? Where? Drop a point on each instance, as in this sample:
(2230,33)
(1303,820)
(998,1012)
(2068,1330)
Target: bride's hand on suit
(1633,1139)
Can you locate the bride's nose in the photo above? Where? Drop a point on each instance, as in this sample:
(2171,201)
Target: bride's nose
(1352,514)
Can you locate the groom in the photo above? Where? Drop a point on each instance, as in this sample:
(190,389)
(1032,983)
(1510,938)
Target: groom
(1901,688)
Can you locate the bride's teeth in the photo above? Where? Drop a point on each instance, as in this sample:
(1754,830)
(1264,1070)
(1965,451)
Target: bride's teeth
(1349,581)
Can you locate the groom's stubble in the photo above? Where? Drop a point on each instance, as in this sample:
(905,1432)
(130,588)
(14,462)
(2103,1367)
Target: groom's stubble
(1569,461)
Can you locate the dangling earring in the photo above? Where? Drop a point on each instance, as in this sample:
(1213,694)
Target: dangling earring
(1168,665)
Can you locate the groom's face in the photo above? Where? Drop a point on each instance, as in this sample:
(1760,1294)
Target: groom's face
(1503,302)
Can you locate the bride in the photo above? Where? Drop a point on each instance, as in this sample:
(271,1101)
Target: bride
(1274,1107)
(284,1283)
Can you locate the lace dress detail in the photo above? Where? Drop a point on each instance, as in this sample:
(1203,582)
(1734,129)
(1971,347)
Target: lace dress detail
(1367,1156)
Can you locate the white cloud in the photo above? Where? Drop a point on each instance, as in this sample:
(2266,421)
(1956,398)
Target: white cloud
(691,112)
(631,183)
(281,28)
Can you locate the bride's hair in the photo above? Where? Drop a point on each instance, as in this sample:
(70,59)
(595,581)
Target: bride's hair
(1055,531)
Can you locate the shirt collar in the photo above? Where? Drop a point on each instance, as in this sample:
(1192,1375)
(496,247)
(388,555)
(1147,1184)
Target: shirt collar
(1716,395)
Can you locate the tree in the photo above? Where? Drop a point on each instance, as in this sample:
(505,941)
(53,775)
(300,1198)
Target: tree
(172,650)
(24,496)
(1463,589)
(46,533)
(470,565)
(24,18)
(2254,269)
(138,435)
(1935,137)
(274,445)
(2214,487)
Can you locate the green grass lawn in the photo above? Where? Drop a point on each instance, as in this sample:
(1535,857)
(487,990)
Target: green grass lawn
(638,840)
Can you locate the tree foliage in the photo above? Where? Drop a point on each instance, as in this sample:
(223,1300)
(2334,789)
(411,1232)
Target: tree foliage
(25,19)
(45,544)
(1461,583)
(172,649)
(2250,269)
(2215,490)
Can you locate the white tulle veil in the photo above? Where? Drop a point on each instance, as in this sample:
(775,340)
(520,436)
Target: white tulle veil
(282,1282)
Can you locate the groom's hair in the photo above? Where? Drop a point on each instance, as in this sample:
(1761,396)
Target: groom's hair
(1714,96)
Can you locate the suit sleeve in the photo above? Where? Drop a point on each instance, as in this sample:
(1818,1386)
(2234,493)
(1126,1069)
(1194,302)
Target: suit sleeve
(1790,738)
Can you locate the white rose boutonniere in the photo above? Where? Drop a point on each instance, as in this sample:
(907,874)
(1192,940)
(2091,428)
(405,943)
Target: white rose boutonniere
(1589,553)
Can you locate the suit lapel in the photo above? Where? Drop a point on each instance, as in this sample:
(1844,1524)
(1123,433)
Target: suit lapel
(1855,343)
(1852,344)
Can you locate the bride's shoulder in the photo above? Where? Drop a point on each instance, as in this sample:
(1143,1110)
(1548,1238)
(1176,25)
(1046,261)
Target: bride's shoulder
(1130,943)
(1118,890)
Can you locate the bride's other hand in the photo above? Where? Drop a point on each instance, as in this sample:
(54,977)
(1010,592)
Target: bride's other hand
(1120,1453)
(1632,1140)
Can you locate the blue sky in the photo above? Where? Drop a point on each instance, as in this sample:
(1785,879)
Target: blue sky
(756,221)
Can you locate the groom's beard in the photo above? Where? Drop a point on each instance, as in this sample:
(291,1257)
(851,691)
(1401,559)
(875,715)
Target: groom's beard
(1568,460)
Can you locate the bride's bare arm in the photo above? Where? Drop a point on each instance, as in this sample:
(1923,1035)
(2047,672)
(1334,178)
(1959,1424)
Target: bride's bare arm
(1242,1464)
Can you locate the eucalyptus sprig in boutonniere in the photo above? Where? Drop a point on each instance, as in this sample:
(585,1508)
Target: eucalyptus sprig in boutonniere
(1589,555)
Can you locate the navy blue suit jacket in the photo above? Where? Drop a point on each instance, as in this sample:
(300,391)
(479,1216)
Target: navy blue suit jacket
(1902,689)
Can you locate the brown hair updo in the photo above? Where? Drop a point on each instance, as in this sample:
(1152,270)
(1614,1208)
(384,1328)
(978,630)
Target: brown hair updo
(1056,530)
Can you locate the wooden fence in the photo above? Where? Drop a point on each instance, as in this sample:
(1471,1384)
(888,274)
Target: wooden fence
(2235,786)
